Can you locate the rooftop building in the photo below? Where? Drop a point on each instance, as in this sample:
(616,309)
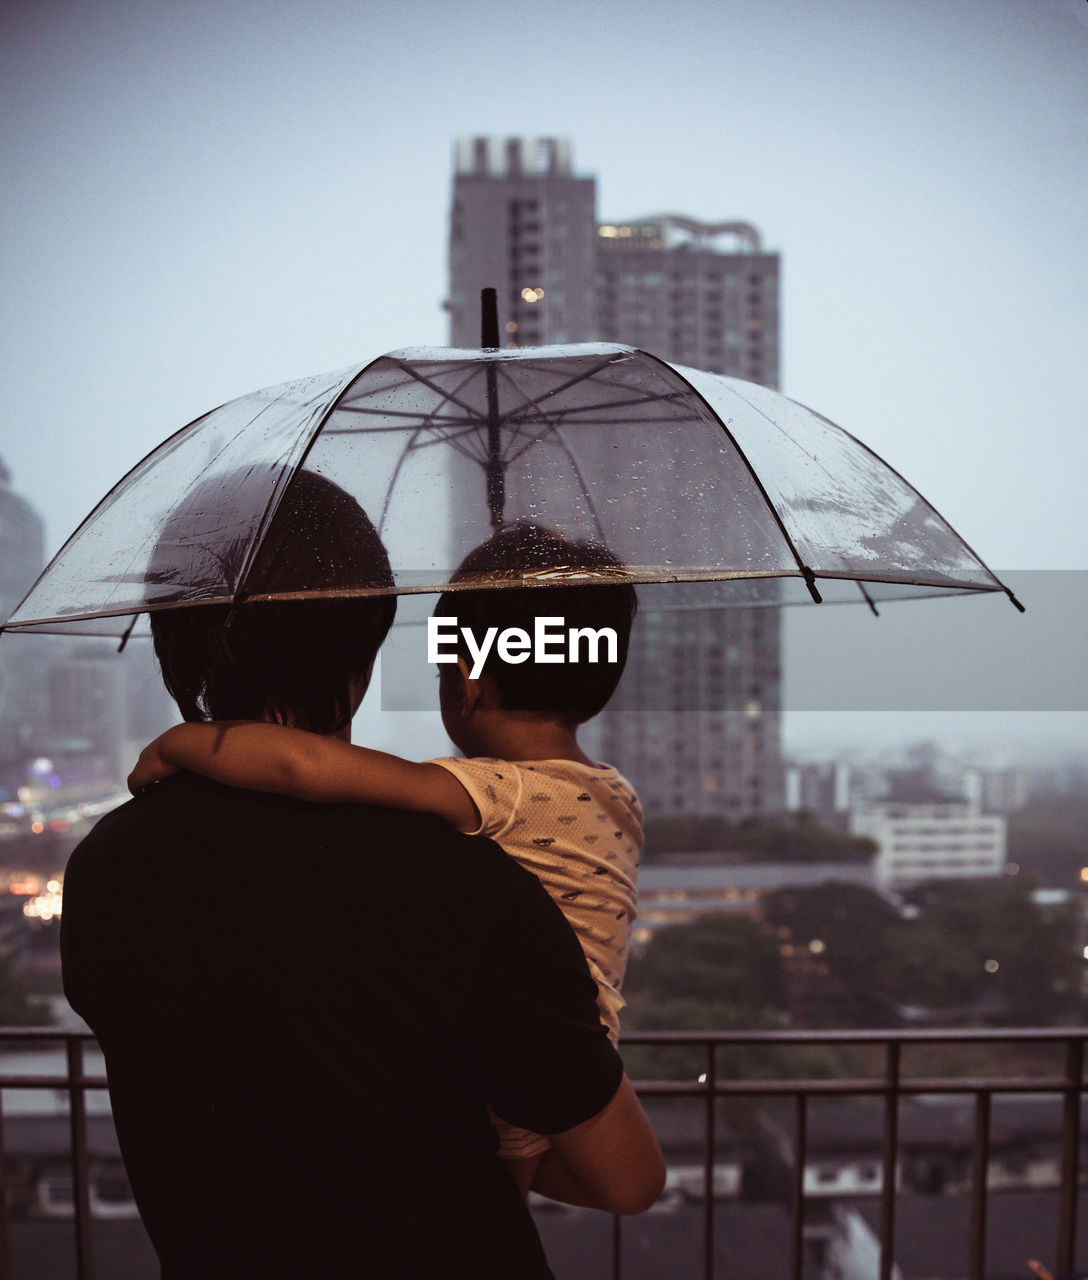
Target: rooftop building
(701,294)
(706,294)
(521,222)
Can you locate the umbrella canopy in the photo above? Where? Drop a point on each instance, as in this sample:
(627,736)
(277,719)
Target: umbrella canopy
(687,476)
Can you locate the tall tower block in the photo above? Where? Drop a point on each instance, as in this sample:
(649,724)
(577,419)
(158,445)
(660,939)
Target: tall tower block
(522,223)
(704,294)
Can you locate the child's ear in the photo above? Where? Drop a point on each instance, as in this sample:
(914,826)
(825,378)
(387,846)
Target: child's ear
(470,689)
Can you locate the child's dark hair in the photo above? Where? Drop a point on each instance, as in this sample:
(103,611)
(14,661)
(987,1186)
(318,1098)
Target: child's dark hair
(572,692)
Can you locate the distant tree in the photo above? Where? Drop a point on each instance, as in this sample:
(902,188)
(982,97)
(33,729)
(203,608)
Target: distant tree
(801,838)
(928,967)
(1048,838)
(726,961)
(16,1008)
(839,955)
(999,948)
(840,936)
(795,837)
(684,834)
(982,946)
(718,973)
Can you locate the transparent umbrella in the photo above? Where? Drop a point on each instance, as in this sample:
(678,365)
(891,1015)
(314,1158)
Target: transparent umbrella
(687,477)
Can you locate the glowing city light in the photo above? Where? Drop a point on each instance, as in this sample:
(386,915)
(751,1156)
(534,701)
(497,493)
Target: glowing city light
(45,907)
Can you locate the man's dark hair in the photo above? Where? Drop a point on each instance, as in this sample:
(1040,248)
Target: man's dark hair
(289,660)
(566,691)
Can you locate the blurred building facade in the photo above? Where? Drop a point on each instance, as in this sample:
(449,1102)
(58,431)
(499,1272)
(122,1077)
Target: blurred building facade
(923,833)
(72,710)
(705,294)
(22,674)
(521,222)
(697,293)
(821,788)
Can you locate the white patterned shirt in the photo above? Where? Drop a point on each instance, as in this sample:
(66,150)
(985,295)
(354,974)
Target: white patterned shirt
(578,829)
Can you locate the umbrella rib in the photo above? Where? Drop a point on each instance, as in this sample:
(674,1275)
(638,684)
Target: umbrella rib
(440,424)
(535,402)
(433,418)
(409,448)
(903,480)
(868,599)
(411,375)
(562,444)
(449,397)
(806,571)
(549,428)
(649,398)
(299,463)
(585,490)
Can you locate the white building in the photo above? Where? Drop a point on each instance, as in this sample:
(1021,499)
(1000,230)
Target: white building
(922,834)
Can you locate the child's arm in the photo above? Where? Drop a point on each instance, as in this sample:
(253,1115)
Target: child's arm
(308,766)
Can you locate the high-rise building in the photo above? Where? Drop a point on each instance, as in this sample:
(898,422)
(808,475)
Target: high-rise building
(701,294)
(704,295)
(522,223)
(22,675)
(67,697)
(22,537)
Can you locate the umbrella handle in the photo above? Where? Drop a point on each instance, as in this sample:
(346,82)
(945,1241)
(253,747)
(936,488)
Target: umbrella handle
(489,340)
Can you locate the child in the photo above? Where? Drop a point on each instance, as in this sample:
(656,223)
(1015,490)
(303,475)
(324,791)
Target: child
(525,781)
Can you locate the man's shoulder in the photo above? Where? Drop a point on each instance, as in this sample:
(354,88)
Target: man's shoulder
(193,801)
(197,816)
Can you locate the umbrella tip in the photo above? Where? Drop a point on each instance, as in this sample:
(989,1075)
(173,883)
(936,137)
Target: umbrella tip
(810,582)
(128,632)
(489,319)
(1015,601)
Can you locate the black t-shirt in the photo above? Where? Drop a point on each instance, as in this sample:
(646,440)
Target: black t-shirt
(305,1010)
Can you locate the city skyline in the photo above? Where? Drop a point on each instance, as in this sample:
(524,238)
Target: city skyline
(211,203)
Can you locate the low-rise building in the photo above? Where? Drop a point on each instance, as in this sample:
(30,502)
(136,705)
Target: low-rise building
(923,833)
(677,893)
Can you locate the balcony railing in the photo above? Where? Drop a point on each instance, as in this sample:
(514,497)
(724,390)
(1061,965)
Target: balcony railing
(893,1071)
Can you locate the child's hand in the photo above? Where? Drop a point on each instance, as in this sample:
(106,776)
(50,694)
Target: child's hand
(151,767)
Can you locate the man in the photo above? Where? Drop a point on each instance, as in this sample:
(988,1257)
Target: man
(305,1010)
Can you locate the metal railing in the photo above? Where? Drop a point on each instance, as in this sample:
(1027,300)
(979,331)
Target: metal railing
(891,1082)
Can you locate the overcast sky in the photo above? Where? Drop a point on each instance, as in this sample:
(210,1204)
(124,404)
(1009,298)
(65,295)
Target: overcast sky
(204,198)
